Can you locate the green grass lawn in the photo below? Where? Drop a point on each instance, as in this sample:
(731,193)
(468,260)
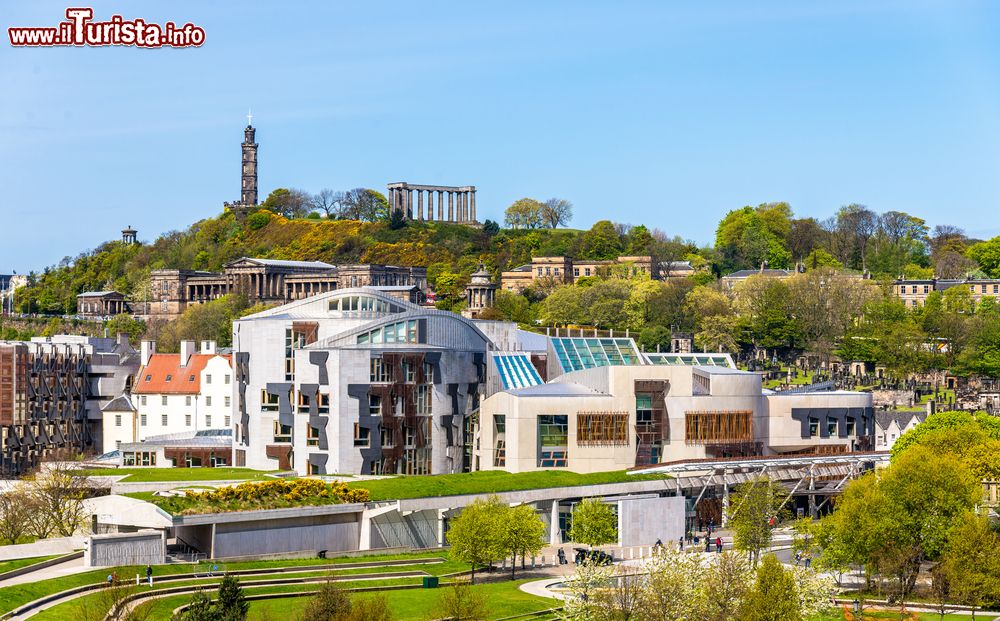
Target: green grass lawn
(155,475)
(160,609)
(504,599)
(15,596)
(486,482)
(6,566)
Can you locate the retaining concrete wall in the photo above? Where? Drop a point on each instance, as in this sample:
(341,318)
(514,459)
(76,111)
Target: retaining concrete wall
(644,520)
(147,547)
(333,532)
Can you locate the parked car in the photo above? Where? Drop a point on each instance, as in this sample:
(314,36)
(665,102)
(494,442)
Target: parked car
(596,557)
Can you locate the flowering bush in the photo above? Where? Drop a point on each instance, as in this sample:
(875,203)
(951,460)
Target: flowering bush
(267,495)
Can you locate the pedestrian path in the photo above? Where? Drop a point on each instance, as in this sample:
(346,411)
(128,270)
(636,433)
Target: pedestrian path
(72,566)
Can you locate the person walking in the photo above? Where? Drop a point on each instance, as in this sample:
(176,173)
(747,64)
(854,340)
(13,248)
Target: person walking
(718,544)
(708,544)
(680,543)
(149,575)
(562,557)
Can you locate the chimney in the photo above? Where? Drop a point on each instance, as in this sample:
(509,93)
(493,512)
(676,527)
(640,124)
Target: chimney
(187,348)
(208,347)
(146,349)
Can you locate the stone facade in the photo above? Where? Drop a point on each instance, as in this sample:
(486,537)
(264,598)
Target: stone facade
(101,304)
(272,281)
(480,294)
(553,271)
(914,293)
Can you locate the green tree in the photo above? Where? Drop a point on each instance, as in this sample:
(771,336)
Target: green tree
(288,203)
(987,255)
(602,242)
(331,603)
(126,324)
(556,212)
(774,595)
(594,523)
(752,507)
(525,213)
(231,604)
(200,609)
(563,306)
(475,535)
(522,534)
(396,220)
(462,602)
(970,565)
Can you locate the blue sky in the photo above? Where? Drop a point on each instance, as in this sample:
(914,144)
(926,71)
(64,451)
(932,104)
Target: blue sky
(663,113)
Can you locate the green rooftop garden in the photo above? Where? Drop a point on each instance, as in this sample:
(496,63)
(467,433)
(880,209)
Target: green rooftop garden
(489,482)
(251,496)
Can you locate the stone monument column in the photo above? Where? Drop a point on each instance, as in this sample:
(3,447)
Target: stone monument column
(472,196)
(420,205)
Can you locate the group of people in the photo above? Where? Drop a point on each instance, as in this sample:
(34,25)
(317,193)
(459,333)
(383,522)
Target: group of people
(695,540)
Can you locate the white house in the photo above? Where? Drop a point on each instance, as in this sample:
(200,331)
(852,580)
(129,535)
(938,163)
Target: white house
(174,393)
(890,425)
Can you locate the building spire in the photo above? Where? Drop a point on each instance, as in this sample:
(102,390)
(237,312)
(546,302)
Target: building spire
(249,118)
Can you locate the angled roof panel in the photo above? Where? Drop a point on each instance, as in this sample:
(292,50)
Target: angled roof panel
(691,360)
(576,353)
(515,370)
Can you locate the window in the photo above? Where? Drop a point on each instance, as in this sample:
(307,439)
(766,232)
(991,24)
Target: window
(227,420)
(142,399)
(553,434)
(170,377)
(927,288)
(416,461)
(914,288)
(428,373)
(602,428)
(548,271)
(312,436)
(721,426)
(379,371)
(539,271)
(140,458)
(208,421)
(386,437)
(576,271)
(268,401)
(226,379)
(423,400)
(323,405)
(227,401)
(187,401)
(142,420)
(208,401)
(831,426)
(118,420)
(163,420)
(586,271)
(556,271)
(282,433)
(187,420)
(163,400)
(149,378)
(374,405)
(400,332)
(813,427)
(191,378)
(851,426)
(208,378)
(362,435)
(409,372)
(644,409)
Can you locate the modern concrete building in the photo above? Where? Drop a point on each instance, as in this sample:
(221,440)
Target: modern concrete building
(356,381)
(174,393)
(52,390)
(608,407)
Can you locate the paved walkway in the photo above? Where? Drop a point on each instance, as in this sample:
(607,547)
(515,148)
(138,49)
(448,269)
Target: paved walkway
(43,547)
(73,566)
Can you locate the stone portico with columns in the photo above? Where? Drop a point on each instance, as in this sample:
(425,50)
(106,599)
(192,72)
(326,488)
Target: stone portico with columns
(454,203)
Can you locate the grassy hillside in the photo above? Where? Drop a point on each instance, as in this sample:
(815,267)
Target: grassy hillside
(211,243)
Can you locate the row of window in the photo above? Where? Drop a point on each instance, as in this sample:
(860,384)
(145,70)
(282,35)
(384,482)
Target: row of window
(269,402)
(831,426)
(381,373)
(191,378)
(187,400)
(362,435)
(399,332)
(165,421)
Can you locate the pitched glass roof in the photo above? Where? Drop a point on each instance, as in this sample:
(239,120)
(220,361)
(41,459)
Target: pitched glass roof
(516,371)
(575,353)
(692,360)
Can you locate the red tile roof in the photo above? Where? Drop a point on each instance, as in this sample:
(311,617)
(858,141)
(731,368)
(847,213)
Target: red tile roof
(152,378)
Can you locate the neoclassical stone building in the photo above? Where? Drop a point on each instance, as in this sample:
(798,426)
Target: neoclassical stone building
(274,281)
